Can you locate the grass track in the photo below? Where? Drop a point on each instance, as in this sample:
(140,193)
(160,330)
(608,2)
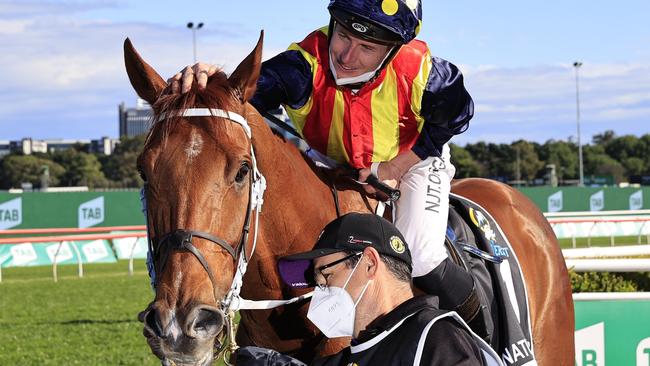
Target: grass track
(77,321)
(90,320)
(603,241)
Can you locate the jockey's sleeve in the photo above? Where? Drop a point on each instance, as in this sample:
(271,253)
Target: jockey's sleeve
(446,108)
(284,79)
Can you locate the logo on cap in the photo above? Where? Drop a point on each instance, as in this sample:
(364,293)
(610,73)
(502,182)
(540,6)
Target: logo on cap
(353,240)
(397,244)
(359,27)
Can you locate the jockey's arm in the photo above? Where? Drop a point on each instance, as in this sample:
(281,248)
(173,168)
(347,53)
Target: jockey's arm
(284,79)
(447,108)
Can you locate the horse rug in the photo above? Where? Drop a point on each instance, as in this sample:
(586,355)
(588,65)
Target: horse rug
(476,242)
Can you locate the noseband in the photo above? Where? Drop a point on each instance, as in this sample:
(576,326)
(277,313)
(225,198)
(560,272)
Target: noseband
(182,240)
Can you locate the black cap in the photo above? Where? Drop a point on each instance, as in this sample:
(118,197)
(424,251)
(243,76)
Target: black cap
(353,232)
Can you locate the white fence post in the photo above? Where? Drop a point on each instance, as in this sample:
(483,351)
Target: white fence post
(131,256)
(80,270)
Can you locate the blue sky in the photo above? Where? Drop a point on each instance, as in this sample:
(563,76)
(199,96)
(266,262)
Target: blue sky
(61,65)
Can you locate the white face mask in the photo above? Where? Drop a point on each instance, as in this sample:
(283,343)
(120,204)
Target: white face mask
(332,309)
(359,78)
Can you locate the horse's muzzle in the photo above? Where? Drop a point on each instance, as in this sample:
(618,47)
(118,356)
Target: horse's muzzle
(188,343)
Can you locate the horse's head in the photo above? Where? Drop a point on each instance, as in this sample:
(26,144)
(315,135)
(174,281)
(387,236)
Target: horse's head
(199,167)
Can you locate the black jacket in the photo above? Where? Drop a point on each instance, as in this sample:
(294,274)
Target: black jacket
(415,333)
(415,330)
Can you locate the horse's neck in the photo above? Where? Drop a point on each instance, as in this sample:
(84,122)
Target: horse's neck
(297,202)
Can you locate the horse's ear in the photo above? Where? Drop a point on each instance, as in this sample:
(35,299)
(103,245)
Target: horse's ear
(245,76)
(145,80)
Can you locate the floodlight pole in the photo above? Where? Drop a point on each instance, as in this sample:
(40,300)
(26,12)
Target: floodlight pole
(191,26)
(581,182)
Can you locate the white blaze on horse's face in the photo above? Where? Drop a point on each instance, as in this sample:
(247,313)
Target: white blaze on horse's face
(194,146)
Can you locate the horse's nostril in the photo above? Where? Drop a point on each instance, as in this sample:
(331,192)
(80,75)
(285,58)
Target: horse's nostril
(207,324)
(152,321)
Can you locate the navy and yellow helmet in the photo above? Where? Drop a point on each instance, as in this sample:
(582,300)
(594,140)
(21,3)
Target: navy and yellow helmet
(391,22)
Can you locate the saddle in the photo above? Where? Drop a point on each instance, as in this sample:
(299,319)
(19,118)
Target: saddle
(476,243)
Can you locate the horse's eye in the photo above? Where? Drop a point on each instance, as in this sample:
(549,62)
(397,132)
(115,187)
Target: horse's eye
(243,171)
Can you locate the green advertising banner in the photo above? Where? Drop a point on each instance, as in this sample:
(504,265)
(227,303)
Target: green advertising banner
(38,254)
(612,332)
(124,247)
(33,210)
(69,209)
(572,199)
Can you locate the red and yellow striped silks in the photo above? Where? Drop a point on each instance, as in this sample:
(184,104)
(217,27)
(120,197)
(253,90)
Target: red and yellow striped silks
(373,125)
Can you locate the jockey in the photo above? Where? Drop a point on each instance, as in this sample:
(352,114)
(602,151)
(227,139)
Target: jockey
(364,92)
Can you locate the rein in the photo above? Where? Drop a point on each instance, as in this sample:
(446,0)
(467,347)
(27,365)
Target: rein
(182,239)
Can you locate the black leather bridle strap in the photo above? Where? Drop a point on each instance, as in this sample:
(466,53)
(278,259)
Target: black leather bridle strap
(182,240)
(182,236)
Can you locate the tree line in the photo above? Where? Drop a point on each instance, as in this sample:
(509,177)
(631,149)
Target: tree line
(624,158)
(75,167)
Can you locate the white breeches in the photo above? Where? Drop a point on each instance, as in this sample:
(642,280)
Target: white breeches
(421,212)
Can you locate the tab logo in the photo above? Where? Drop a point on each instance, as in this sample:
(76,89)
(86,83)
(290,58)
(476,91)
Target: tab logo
(91,213)
(65,253)
(94,250)
(590,345)
(22,254)
(636,200)
(643,352)
(597,201)
(11,213)
(555,202)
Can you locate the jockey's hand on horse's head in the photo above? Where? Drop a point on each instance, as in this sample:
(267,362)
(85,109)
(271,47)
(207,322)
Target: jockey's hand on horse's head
(183,80)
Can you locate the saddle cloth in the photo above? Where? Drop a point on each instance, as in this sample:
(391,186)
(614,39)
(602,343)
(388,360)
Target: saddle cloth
(476,242)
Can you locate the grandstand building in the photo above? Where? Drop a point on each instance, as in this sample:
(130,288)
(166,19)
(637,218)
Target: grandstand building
(28,146)
(134,121)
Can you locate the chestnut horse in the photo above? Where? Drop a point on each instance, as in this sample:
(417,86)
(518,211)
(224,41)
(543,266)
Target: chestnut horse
(200,171)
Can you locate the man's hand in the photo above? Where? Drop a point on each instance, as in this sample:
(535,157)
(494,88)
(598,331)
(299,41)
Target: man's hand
(183,80)
(390,172)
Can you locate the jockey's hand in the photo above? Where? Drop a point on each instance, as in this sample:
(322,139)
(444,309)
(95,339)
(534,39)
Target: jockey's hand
(183,80)
(388,174)
(391,172)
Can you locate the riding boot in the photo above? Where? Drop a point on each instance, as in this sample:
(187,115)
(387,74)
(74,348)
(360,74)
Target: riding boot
(456,290)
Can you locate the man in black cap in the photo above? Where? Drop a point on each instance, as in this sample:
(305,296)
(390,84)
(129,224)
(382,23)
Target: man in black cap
(361,270)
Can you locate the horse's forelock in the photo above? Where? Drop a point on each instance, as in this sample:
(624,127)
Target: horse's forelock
(218,94)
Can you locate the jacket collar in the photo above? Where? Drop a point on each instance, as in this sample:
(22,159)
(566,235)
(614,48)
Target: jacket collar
(388,321)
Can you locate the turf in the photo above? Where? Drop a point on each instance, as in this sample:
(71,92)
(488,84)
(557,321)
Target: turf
(76,321)
(603,241)
(89,320)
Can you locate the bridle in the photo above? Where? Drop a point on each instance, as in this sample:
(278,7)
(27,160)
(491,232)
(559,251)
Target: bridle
(182,239)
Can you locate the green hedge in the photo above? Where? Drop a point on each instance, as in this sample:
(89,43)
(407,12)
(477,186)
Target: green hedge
(609,282)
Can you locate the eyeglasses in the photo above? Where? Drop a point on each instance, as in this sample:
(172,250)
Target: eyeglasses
(319,270)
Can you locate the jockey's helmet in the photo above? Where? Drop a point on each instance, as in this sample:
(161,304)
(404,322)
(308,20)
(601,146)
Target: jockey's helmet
(391,22)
